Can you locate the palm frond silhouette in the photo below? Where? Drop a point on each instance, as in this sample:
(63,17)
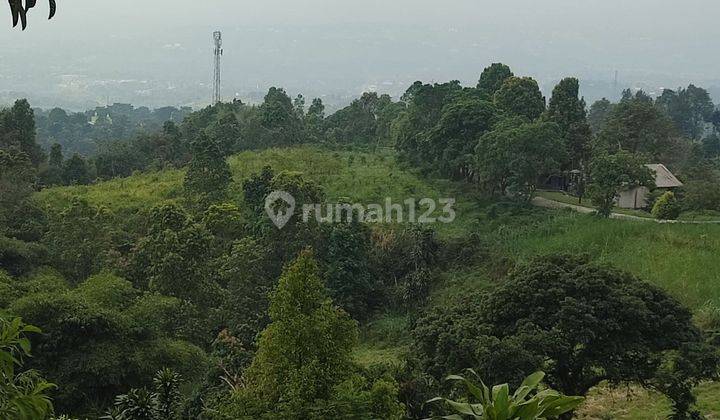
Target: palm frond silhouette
(19,11)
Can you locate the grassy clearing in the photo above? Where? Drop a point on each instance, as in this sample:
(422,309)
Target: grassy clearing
(682,259)
(632,402)
(123,195)
(350,176)
(383,341)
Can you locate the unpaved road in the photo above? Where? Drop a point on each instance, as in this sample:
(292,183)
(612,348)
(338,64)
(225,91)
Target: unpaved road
(551,204)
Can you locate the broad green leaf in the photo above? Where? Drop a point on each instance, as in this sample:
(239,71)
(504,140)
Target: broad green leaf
(527,410)
(501,401)
(562,405)
(529,384)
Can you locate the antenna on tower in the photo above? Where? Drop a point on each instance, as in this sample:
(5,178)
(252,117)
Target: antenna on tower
(217,37)
(615,85)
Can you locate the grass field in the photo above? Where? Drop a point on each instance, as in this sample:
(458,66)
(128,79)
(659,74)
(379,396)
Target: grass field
(683,259)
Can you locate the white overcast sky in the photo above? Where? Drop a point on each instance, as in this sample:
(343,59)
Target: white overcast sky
(648,41)
(659,17)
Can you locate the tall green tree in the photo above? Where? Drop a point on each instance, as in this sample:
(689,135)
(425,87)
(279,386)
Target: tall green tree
(450,144)
(226,131)
(306,349)
(52,173)
(598,114)
(513,157)
(520,96)
(610,174)
(424,108)
(248,274)
(208,175)
(173,258)
(17,129)
(345,256)
(689,109)
(493,77)
(296,234)
(17,184)
(279,117)
(314,121)
(567,109)
(76,171)
(636,125)
(79,239)
(56,156)
(366,121)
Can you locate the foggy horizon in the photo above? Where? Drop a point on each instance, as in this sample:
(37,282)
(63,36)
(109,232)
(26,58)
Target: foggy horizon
(97,52)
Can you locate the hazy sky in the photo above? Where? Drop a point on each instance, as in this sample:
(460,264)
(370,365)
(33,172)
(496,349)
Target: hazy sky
(140,51)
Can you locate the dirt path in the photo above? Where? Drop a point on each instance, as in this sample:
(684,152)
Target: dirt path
(551,204)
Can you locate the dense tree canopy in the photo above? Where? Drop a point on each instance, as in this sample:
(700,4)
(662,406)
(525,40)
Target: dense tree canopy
(512,158)
(583,323)
(636,125)
(450,144)
(95,344)
(17,130)
(598,114)
(688,108)
(493,77)
(520,96)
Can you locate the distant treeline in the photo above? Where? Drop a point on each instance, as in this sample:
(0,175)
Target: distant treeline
(443,129)
(88,132)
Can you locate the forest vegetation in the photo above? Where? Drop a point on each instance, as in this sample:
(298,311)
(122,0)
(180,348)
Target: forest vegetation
(141,272)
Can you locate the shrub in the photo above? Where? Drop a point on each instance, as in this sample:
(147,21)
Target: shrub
(18,257)
(666,207)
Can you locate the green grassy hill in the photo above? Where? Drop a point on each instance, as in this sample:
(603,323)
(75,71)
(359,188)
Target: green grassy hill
(683,259)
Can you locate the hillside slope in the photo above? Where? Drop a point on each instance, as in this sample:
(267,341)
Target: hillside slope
(680,258)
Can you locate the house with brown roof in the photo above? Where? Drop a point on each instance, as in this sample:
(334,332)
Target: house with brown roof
(636,198)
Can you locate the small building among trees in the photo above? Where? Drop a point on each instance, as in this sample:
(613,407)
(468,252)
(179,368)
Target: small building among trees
(636,198)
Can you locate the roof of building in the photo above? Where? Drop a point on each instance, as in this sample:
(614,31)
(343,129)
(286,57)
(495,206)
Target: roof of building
(663,177)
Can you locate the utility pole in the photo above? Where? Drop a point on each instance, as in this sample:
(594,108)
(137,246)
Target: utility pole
(217,37)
